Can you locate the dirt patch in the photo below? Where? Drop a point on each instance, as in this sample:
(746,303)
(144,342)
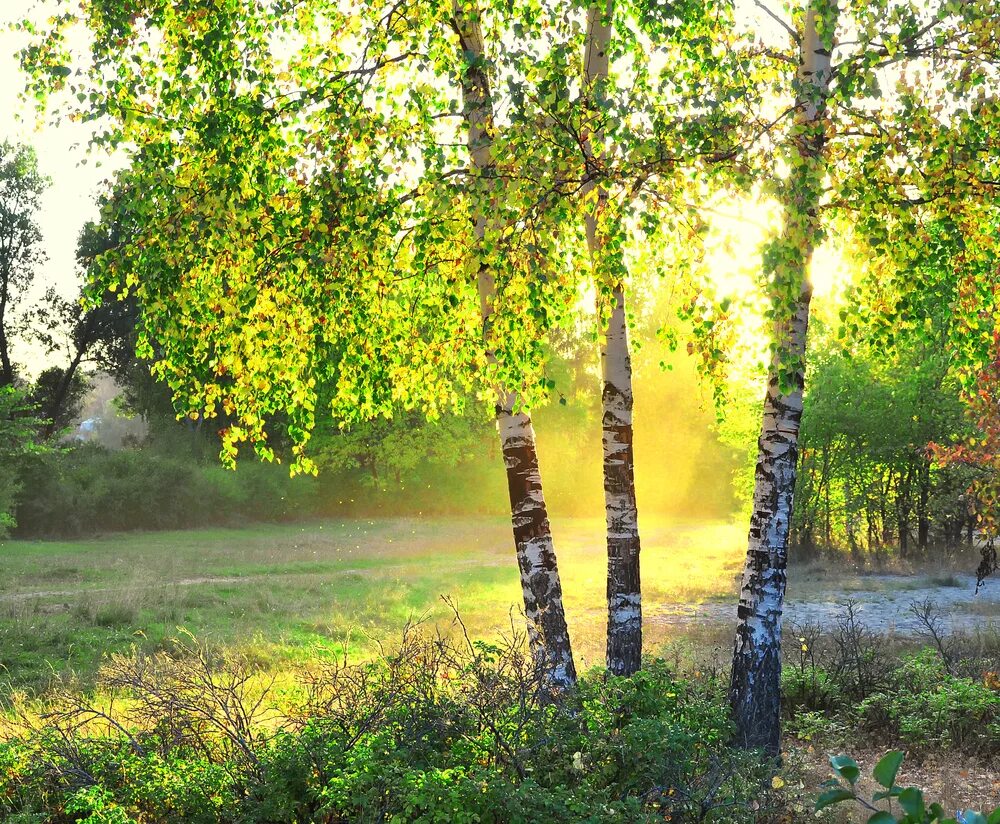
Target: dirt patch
(885,604)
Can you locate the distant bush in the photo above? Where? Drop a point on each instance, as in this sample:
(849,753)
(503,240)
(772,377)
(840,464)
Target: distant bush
(931,708)
(434,732)
(88,489)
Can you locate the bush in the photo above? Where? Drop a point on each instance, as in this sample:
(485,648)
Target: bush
(847,679)
(932,708)
(88,489)
(434,732)
(910,805)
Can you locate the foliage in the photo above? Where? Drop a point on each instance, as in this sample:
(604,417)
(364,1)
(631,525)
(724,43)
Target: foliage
(18,431)
(88,489)
(910,803)
(390,450)
(849,682)
(936,709)
(58,397)
(867,477)
(21,188)
(307,229)
(434,730)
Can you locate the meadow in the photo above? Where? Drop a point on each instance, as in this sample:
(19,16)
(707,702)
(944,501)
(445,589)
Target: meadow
(288,593)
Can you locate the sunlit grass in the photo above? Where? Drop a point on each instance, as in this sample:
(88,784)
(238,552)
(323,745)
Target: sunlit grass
(293,593)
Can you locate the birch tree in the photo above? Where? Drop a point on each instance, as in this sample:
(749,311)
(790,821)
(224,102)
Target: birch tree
(657,134)
(855,149)
(311,231)
(755,688)
(536,558)
(624,641)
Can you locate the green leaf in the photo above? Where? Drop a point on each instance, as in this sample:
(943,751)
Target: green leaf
(912,801)
(886,769)
(833,797)
(994,817)
(882,817)
(846,768)
(972,817)
(61,71)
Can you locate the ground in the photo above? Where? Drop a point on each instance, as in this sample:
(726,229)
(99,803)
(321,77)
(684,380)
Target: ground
(295,591)
(292,592)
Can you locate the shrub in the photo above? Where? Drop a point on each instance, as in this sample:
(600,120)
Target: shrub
(436,731)
(933,708)
(88,489)
(910,805)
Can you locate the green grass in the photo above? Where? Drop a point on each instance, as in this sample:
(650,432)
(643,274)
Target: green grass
(291,593)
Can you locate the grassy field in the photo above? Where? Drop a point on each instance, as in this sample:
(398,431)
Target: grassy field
(293,592)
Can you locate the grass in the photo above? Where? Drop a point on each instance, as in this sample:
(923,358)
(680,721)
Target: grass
(291,593)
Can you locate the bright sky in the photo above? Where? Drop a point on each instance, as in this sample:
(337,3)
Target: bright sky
(69,202)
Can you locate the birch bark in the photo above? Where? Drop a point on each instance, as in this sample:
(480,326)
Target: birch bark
(756,677)
(540,584)
(624,641)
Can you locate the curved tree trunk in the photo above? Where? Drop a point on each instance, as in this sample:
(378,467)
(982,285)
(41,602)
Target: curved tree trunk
(54,412)
(624,643)
(543,606)
(755,687)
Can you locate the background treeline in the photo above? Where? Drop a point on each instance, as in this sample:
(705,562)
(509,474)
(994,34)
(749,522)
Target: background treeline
(869,481)
(170,476)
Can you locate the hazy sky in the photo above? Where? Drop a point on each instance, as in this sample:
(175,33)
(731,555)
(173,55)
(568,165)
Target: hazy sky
(70,200)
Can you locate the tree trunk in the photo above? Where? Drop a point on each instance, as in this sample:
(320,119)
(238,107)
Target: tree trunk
(540,585)
(59,399)
(6,367)
(536,557)
(624,646)
(624,642)
(755,687)
(923,507)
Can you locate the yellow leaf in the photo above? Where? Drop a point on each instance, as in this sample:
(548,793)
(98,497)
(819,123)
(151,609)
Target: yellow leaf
(777,782)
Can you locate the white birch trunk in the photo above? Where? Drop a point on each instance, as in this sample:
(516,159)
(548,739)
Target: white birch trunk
(542,590)
(755,688)
(624,640)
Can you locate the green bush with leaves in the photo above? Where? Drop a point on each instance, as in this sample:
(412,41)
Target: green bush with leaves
(17,440)
(932,708)
(436,731)
(892,804)
(89,489)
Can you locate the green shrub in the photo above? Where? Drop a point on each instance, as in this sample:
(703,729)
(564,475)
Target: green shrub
(434,732)
(892,804)
(88,489)
(931,708)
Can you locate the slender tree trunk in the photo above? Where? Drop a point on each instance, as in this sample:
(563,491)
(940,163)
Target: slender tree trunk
(59,399)
(6,367)
(624,642)
(755,687)
(536,557)
(923,505)
(540,584)
(624,646)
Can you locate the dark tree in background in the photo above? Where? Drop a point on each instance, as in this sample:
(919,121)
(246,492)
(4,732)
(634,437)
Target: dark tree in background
(102,336)
(21,187)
